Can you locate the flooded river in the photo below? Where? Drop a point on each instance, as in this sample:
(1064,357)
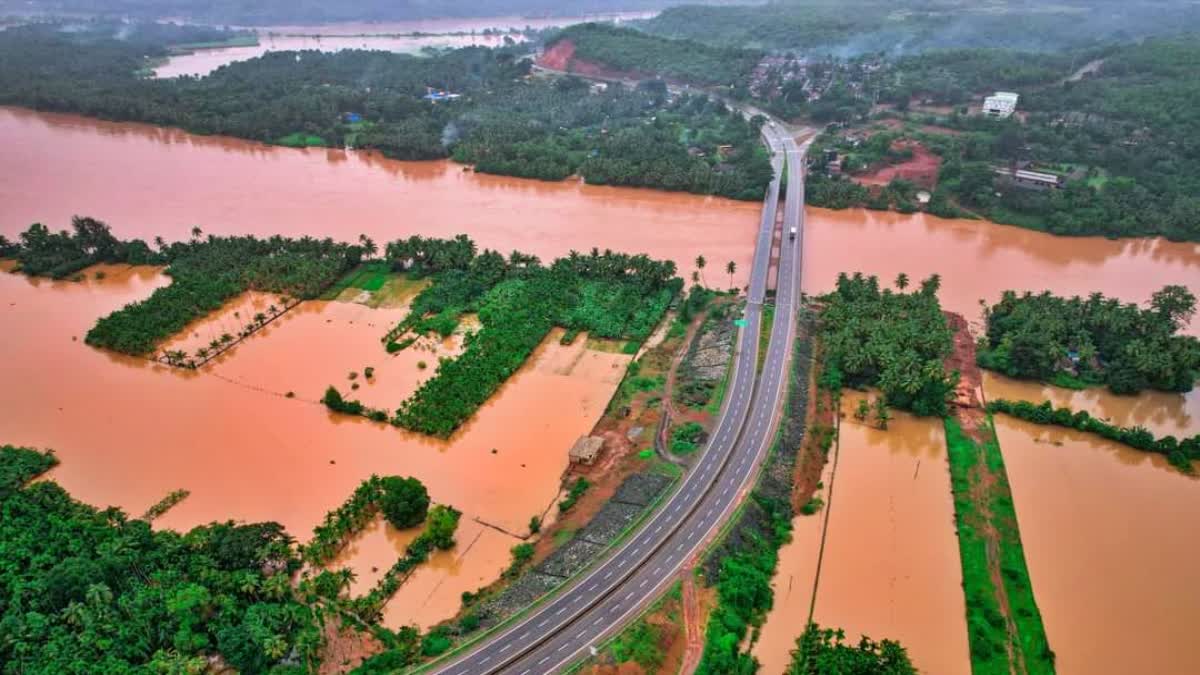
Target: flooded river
(979,260)
(890,567)
(1108,532)
(392,36)
(129,431)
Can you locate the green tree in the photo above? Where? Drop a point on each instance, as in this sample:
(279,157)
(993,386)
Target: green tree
(404,501)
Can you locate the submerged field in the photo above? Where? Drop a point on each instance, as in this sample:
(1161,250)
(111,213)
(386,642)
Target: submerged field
(1102,531)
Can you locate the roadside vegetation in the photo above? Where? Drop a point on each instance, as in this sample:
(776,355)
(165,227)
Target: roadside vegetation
(1180,453)
(740,566)
(1098,341)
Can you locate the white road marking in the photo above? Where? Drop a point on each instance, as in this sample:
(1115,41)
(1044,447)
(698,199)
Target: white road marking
(544,659)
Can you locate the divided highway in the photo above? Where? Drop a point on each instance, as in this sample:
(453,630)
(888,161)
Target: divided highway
(577,619)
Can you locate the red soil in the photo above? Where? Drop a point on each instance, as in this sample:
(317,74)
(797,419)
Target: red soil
(922,169)
(558,56)
(561,56)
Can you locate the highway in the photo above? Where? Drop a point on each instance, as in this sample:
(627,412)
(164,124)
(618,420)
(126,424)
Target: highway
(577,619)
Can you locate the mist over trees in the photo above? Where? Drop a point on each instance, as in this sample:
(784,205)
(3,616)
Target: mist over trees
(850,27)
(265,12)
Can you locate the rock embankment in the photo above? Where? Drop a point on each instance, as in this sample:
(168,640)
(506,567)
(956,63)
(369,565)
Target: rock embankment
(631,499)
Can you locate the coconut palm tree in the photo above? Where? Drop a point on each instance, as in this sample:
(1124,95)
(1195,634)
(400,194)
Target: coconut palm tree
(700,264)
(695,277)
(196,232)
(731,267)
(368,245)
(902,281)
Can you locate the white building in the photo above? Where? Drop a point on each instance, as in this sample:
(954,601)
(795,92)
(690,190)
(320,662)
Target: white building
(1001,104)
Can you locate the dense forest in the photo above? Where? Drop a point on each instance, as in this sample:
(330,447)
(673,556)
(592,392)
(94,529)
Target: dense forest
(896,341)
(205,272)
(518,300)
(88,590)
(631,51)
(1098,340)
(850,27)
(1121,139)
(503,121)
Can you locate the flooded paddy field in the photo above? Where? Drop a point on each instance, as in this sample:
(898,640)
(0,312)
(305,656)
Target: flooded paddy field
(129,430)
(890,567)
(1107,531)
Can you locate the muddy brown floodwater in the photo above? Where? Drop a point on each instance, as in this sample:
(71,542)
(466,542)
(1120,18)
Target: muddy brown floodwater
(203,61)
(148,181)
(395,36)
(1108,532)
(129,431)
(890,568)
(979,260)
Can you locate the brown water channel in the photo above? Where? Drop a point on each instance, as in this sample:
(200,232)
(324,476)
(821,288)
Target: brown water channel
(890,567)
(1109,532)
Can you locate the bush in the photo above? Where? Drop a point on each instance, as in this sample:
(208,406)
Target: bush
(403,501)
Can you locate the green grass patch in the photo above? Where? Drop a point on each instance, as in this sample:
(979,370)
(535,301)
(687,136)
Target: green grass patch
(564,535)
(986,626)
(301,140)
(239,41)
(764,335)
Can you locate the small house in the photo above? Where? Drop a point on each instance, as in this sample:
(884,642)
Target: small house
(1000,105)
(586,450)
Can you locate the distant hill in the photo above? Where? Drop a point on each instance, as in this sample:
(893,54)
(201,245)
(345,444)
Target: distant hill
(266,12)
(851,27)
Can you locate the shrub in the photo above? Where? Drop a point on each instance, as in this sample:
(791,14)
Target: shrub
(403,501)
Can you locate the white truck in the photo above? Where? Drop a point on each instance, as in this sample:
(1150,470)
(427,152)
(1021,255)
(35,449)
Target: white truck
(792,233)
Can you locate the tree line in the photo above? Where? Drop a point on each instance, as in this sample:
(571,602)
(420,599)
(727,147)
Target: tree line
(1100,340)
(893,340)
(1180,453)
(205,273)
(609,294)
(504,121)
(404,502)
(518,301)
